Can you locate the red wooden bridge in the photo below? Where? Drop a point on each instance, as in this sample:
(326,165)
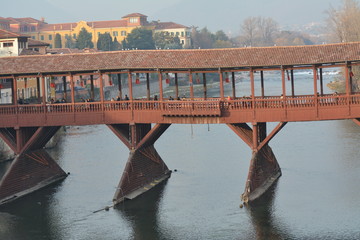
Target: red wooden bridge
(139,122)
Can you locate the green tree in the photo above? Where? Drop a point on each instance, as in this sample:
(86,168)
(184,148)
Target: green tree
(69,42)
(163,40)
(139,38)
(116,45)
(84,40)
(57,43)
(105,42)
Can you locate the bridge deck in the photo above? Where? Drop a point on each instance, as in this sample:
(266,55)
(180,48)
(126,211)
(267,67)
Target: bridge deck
(268,109)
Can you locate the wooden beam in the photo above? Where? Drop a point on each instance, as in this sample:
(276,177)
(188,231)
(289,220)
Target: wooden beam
(271,135)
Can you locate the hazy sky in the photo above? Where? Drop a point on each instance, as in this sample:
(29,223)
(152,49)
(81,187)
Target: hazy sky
(224,15)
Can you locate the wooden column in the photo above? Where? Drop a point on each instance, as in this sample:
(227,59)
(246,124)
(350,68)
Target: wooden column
(72,88)
(101,88)
(221,85)
(43,90)
(130,87)
(148,86)
(262,84)
(15,96)
(119,85)
(64,88)
(292,82)
(160,85)
(205,87)
(252,83)
(283,87)
(176,86)
(316,90)
(321,82)
(191,85)
(38,88)
(92,92)
(233,85)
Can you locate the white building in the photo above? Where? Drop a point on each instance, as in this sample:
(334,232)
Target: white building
(12,44)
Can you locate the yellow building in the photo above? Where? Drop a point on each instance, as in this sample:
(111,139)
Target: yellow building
(42,31)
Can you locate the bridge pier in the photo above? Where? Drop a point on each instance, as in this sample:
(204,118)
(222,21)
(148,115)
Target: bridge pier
(33,168)
(144,168)
(264,169)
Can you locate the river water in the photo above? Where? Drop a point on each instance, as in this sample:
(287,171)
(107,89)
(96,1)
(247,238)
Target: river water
(317,197)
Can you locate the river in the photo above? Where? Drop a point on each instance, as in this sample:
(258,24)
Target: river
(317,197)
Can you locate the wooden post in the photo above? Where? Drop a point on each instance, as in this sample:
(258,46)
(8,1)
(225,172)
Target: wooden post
(321,82)
(101,88)
(43,89)
(191,85)
(316,100)
(15,96)
(147,86)
(92,91)
(205,87)
(38,88)
(262,84)
(119,85)
(64,88)
(233,85)
(72,88)
(176,86)
(221,85)
(160,77)
(252,82)
(130,87)
(292,83)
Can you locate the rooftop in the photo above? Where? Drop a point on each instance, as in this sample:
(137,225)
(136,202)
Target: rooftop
(183,59)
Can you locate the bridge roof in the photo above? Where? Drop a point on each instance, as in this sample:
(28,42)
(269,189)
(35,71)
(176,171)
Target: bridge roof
(183,59)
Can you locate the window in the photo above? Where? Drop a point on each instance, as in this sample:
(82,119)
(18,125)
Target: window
(172,34)
(66,36)
(33,28)
(115,33)
(74,36)
(182,34)
(33,37)
(123,33)
(42,37)
(134,20)
(50,37)
(177,33)
(8,44)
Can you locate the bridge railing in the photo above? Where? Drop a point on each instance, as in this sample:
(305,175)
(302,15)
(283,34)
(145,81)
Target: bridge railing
(188,106)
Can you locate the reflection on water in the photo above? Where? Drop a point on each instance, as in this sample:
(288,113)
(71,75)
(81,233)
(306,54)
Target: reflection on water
(143,214)
(317,196)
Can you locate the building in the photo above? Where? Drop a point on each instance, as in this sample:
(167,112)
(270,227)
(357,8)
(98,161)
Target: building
(12,44)
(42,31)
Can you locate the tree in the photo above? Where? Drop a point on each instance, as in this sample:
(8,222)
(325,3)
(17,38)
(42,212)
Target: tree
(84,40)
(57,41)
(344,27)
(163,40)
(344,22)
(139,38)
(69,42)
(116,45)
(248,29)
(258,31)
(105,42)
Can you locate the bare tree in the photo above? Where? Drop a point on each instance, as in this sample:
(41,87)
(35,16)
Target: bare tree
(249,30)
(258,31)
(266,29)
(344,23)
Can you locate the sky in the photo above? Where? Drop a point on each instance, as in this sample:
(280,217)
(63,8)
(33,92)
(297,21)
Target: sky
(216,15)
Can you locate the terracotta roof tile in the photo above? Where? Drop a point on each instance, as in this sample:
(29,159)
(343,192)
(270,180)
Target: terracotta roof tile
(168,25)
(183,59)
(134,15)
(34,43)
(8,34)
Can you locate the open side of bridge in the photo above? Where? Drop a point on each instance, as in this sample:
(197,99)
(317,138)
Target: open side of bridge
(140,115)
